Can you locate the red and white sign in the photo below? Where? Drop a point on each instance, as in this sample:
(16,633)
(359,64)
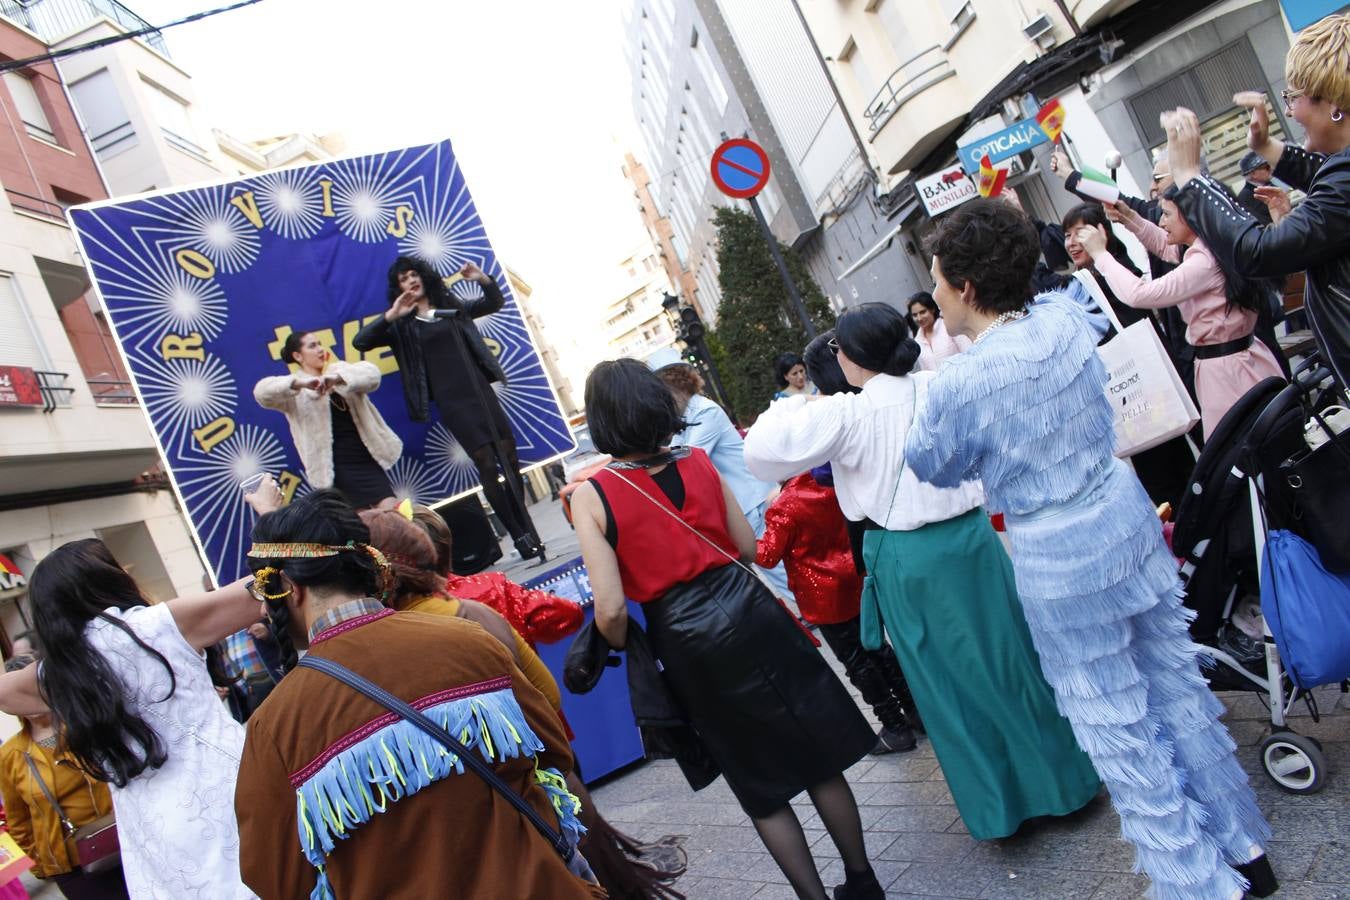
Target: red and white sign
(19,387)
(945,190)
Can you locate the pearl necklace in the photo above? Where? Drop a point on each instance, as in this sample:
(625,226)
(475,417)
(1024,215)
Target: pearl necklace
(1011,315)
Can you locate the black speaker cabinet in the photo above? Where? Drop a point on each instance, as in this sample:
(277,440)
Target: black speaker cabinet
(474,544)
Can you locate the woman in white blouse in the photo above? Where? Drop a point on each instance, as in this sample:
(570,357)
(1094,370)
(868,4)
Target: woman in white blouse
(935,342)
(938,580)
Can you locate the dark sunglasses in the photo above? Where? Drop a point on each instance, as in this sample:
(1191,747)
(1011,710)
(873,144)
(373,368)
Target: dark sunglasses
(833,344)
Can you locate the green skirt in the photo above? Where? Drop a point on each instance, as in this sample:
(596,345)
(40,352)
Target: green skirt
(946,596)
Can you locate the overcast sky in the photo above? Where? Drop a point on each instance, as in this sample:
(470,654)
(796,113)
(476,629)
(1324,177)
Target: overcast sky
(533,93)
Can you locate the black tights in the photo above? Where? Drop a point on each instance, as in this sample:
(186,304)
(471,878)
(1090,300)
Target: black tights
(513,515)
(782,834)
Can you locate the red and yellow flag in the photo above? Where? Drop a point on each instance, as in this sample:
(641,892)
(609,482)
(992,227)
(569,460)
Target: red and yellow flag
(991,180)
(1051,119)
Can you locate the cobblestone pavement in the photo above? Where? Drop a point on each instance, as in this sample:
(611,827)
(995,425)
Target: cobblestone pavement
(920,848)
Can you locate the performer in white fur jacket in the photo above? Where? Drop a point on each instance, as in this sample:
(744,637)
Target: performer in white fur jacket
(341,437)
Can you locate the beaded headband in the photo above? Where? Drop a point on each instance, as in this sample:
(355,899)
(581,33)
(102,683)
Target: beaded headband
(297,550)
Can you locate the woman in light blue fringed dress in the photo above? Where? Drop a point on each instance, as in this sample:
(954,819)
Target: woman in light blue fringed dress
(1025,411)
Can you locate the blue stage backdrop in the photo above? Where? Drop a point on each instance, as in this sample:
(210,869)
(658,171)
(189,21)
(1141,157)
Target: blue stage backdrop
(203,285)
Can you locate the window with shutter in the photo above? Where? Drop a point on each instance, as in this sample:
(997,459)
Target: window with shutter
(29,104)
(19,344)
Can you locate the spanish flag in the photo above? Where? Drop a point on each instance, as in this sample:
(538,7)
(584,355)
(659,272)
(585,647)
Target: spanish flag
(1051,119)
(991,179)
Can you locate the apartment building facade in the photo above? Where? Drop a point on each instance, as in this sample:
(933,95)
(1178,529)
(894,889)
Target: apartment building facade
(77,458)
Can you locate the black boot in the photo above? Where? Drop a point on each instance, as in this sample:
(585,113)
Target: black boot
(528,547)
(895,681)
(895,740)
(860,886)
(1260,875)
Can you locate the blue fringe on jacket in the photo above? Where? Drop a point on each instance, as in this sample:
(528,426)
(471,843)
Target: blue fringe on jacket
(400,759)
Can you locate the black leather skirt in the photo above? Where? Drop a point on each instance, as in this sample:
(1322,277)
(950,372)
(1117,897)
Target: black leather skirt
(770,710)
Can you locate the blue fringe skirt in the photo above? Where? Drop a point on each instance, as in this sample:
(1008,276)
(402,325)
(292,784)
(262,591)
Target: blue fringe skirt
(1100,592)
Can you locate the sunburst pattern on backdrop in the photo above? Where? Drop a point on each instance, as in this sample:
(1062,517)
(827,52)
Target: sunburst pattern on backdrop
(202,285)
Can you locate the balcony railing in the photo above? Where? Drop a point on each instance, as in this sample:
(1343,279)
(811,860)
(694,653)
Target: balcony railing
(112,391)
(37,206)
(52,387)
(54,19)
(113,141)
(851,173)
(915,75)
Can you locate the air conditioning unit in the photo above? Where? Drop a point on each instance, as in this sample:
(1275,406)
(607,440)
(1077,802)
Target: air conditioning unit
(1038,29)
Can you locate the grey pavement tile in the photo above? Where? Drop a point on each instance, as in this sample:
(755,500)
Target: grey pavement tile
(774,892)
(1248,732)
(723,837)
(1123,887)
(876,841)
(1306,890)
(935,880)
(899,767)
(1332,863)
(715,888)
(907,793)
(1041,884)
(1293,859)
(908,818)
(948,848)
(725,864)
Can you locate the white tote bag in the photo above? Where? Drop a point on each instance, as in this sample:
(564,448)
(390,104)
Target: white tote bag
(1150,402)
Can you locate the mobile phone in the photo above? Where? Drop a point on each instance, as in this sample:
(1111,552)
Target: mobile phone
(251,484)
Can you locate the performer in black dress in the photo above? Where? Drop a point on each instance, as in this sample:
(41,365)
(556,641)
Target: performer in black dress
(444,359)
(342,439)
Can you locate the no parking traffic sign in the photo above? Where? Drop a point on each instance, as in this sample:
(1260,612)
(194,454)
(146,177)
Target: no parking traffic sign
(740,168)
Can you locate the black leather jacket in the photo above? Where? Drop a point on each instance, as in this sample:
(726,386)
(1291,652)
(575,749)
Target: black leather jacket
(398,336)
(1315,238)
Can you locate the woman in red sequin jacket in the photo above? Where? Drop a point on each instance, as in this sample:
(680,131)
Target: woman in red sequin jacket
(805,530)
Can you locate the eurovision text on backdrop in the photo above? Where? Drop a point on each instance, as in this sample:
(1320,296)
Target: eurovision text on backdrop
(203,285)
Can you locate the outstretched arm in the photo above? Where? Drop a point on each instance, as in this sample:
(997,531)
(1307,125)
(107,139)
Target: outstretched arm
(206,619)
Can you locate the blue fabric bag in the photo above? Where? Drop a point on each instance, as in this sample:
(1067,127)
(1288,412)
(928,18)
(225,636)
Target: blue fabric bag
(1307,609)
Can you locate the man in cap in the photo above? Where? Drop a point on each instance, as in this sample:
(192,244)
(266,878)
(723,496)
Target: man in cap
(1257,172)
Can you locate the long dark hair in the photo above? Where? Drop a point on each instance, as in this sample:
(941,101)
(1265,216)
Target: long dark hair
(70,587)
(433,285)
(1241,291)
(782,365)
(875,336)
(320,517)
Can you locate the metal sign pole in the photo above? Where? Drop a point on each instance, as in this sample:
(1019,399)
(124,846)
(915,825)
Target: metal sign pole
(772,241)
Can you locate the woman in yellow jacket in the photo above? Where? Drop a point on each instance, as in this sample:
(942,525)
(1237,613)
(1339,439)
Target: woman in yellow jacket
(34,752)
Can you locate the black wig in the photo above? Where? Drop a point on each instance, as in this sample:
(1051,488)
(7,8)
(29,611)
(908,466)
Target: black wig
(876,337)
(823,367)
(629,409)
(433,285)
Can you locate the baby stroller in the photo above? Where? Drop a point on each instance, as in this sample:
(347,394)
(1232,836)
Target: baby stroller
(1219,534)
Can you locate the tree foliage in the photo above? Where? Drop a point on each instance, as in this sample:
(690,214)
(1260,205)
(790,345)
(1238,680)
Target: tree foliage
(756,320)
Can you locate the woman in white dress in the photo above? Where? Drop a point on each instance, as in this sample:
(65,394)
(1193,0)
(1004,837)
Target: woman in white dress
(128,680)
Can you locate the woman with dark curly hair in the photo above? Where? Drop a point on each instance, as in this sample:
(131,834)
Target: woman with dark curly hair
(444,359)
(789,373)
(1025,411)
(938,581)
(935,344)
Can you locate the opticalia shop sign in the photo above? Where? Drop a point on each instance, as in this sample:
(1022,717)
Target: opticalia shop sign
(945,190)
(1016,138)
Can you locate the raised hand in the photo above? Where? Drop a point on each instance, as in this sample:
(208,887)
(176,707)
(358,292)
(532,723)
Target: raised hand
(266,498)
(1183,144)
(307,382)
(403,304)
(1060,165)
(1276,200)
(1093,239)
(1258,125)
(471,272)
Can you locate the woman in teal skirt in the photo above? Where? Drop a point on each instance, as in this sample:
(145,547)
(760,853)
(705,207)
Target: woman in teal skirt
(938,581)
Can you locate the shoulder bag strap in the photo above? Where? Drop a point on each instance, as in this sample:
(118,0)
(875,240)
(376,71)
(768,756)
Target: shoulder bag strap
(913,414)
(1089,283)
(701,536)
(471,759)
(66,824)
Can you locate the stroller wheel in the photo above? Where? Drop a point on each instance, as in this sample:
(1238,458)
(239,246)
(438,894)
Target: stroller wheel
(1294,762)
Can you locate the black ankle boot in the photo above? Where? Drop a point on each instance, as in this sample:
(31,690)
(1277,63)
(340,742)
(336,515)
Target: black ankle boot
(528,547)
(860,886)
(1260,875)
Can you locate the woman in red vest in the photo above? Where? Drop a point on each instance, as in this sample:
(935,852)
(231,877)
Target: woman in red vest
(659,527)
